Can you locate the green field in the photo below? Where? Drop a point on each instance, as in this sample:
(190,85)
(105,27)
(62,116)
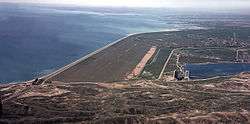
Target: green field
(155,64)
(200,55)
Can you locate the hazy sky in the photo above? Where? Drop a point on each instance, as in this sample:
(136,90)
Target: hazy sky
(228,4)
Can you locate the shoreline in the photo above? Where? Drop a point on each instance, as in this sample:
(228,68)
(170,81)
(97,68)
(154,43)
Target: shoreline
(58,71)
(67,66)
(63,68)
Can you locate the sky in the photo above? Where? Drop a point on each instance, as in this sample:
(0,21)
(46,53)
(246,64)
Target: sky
(223,4)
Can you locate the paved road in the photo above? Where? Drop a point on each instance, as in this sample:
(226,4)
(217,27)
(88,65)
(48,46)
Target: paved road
(166,63)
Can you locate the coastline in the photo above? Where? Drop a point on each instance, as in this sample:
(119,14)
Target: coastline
(64,68)
(61,69)
(67,66)
(58,71)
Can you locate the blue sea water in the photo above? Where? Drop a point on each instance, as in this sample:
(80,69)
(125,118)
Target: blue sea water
(38,39)
(201,71)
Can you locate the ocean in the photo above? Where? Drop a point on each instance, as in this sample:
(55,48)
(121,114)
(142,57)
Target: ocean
(38,39)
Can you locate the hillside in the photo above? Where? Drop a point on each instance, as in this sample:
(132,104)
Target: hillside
(224,100)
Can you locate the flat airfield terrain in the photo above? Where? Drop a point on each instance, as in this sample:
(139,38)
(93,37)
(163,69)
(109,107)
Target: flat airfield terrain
(111,64)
